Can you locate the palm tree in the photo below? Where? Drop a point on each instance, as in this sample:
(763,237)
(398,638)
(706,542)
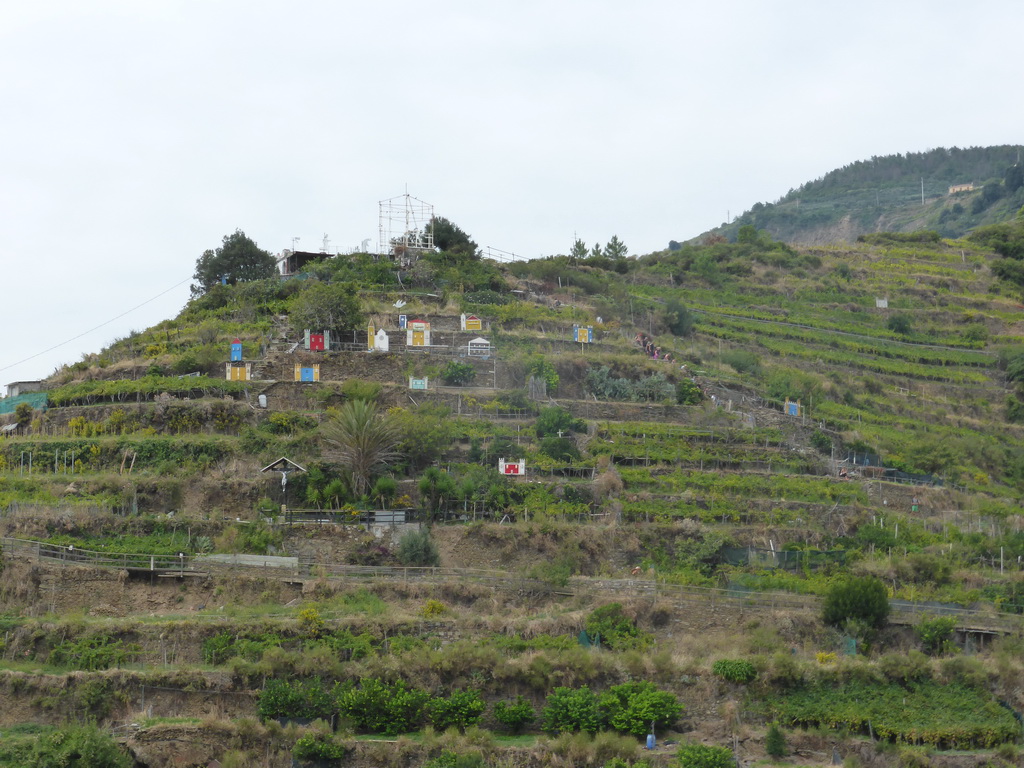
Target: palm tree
(362,441)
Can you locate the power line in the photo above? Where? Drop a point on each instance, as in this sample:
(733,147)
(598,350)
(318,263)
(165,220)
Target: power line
(96,328)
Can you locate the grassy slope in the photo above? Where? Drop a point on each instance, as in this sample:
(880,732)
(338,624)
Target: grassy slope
(770,324)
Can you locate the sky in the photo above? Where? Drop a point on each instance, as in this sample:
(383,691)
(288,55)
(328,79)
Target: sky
(136,135)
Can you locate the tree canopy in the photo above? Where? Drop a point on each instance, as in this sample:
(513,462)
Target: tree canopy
(237,260)
(330,307)
(860,599)
(449,237)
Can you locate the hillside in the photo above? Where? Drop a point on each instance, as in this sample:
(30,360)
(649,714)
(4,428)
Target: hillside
(823,414)
(951,191)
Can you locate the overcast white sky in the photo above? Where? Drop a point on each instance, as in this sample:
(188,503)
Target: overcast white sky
(135,135)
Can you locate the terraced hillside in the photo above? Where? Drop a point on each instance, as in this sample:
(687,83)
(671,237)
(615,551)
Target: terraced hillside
(812,416)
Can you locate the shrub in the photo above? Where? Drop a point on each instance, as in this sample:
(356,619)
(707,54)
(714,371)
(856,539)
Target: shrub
(84,745)
(775,742)
(858,599)
(742,360)
(93,652)
(553,420)
(450,759)
(457,374)
(460,710)
(633,707)
(541,368)
(701,756)
(360,389)
(734,670)
(571,710)
(22,415)
(900,323)
(432,609)
(287,423)
(616,630)
(514,715)
(688,393)
(900,668)
(228,645)
(678,318)
(417,549)
(559,449)
(379,707)
(821,442)
(936,634)
(318,745)
(307,699)
(311,622)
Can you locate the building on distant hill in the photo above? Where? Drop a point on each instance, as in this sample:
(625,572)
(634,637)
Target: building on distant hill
(961,188)
(291,263)
(16,388)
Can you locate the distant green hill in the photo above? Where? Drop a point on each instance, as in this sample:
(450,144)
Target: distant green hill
(884,194)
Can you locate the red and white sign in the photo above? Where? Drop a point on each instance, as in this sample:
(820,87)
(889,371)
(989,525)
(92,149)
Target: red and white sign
(516,468)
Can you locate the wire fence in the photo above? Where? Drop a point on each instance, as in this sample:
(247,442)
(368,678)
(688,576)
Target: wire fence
(901,611)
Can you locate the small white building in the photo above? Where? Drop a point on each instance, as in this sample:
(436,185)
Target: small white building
(479,347)
(381,342)
(16,388)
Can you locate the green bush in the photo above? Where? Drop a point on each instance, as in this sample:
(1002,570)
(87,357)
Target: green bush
(360,389)
(602,384)
(859,599)
(379,707)
(83,746)
(678,318)
(936,634)
(93,652)
(775,742)
(701,756)
(458,374)
(514,715)
(821,442)
(633,707)
(541,368)
(688,393)
(450,759)
(257,538)
(417,549)
(735,670)
(228,645)
(900,323)
(460,710)
(559,448)
(742,360)
(299,698)
(318,745)
(905,668)
(554,419)
(569,710)
(616,630)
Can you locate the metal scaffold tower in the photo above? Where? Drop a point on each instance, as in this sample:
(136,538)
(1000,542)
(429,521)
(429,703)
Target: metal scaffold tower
(406,228)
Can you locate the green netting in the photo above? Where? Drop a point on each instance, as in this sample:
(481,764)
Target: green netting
(37,400)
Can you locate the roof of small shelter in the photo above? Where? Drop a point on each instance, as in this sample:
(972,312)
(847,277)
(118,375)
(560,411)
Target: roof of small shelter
(283,465)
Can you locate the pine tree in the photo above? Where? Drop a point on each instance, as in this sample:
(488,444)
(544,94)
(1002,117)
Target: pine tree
(775,742)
